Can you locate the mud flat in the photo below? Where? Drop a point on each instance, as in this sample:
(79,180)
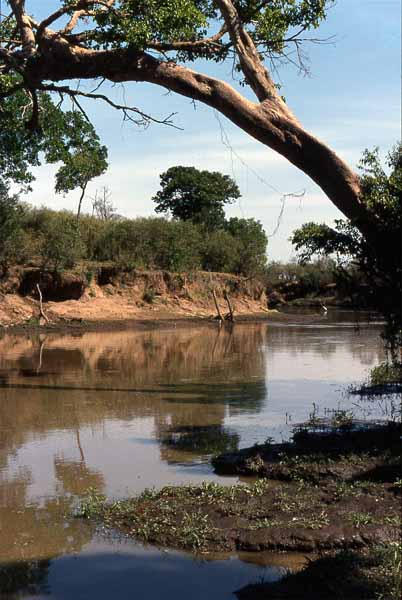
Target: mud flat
(324,492)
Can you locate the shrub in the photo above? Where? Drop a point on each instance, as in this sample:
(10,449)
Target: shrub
(61,245)
(151,243)
(220,252)
(13,244)
(59,240)
(252,244)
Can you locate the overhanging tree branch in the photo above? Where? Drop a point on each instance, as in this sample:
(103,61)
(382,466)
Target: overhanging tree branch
(144,120)
(59,57)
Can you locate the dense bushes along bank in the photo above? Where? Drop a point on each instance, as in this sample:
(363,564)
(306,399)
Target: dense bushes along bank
(59,240)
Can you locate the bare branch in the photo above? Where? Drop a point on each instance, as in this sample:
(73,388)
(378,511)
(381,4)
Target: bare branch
(128,111)
(80,9)
(41,311)
(78,14)
(212,42)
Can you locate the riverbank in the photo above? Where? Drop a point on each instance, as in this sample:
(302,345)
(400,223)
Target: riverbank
(108,296)
(344,496)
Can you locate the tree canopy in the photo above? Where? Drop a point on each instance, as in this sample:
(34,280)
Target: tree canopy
(188,194)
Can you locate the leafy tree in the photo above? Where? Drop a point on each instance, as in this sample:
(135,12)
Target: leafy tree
(382,262)
(11,233)
(80,167)
(252,245)
(131,40)
(198,196)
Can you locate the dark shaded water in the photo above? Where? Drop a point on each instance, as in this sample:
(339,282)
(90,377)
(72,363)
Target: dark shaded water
(122,411)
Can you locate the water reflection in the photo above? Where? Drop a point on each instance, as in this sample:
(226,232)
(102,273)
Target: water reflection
(24,578)
(124,410)
(195,440)
(136,572)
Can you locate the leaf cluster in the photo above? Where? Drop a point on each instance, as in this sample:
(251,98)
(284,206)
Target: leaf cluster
(161,24)
(64,137)
(138,24)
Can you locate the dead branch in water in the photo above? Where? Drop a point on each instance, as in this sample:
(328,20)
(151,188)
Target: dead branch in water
(41,311)
(230,315)
(219,314)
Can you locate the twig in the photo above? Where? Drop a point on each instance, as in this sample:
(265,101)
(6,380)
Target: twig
(144,119)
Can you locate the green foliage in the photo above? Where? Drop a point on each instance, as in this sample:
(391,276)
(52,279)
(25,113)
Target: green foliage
(141,24)
(378,258)
(59,136)
(310,278)
(382,192)
(220,252)
(314,239)
(12,238)
(60,240)
(149,296)
(61,245)
(188,194)
(386,373)
(252,244)
(272,21)
(80,167)
(151,243)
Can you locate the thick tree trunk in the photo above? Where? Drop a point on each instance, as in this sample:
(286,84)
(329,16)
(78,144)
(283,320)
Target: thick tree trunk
(269,121)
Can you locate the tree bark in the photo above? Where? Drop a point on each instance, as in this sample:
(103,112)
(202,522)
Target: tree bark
(24,26)
(270,121)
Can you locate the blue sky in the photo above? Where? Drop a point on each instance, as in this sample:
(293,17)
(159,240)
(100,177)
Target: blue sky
(351,101)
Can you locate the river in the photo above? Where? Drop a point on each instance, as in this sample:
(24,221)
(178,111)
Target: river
(124,410)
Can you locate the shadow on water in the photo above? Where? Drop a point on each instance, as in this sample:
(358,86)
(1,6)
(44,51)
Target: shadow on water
(131,572)
(23,578)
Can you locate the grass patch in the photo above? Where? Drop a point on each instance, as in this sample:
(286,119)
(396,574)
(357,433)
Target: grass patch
(360,519)
(172,515)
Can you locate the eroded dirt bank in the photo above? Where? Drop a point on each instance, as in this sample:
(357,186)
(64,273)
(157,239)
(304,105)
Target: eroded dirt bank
(111,295)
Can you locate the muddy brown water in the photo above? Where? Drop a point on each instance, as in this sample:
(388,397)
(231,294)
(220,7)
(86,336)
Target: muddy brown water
(124,410)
